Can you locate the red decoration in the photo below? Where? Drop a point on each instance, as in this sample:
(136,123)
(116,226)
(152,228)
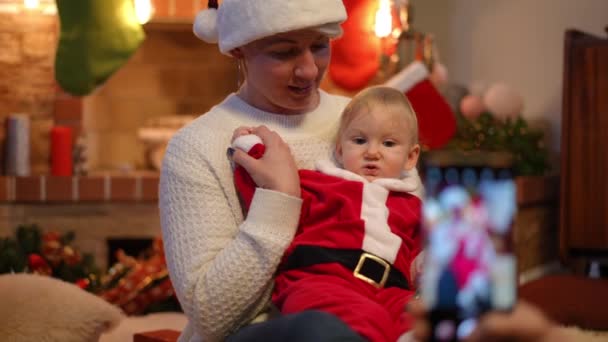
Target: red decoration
(83,283)
(61,151)
(356,55)
(436,120)
(146,282)
(38,265)
(52,248)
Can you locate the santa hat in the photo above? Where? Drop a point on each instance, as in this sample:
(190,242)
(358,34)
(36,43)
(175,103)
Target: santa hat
(436,121)
(252,145)
(238,22)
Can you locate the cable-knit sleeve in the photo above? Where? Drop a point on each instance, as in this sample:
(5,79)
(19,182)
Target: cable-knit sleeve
(221,268)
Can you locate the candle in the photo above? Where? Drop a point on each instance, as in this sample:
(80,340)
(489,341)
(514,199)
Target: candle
(61,151)
(18,145)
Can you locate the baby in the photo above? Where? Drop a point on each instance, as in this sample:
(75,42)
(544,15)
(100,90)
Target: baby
(356,251)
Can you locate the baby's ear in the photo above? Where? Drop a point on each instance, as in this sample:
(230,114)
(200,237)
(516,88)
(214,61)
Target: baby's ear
(412,157)
(338,152)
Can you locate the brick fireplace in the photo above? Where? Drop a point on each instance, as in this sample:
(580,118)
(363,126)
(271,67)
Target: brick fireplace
(172,74)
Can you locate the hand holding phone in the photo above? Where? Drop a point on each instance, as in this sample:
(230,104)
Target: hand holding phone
(470,264)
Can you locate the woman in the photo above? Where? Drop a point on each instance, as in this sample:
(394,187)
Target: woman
(220,264)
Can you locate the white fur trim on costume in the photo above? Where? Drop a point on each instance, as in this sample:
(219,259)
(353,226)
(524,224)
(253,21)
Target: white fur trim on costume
(246,142)
(242,21)
(329,168)
(409,182)
(379,239)
(407,78)
(205,25)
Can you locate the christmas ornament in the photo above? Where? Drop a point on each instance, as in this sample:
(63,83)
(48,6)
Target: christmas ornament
(503,101)
(97,37)
(38,265)
(49,254)
(137,285)
(471,106)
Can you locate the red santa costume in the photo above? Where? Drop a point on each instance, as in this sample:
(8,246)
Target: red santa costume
(354,249)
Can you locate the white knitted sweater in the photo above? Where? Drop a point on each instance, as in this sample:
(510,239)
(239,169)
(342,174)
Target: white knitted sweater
(221,265)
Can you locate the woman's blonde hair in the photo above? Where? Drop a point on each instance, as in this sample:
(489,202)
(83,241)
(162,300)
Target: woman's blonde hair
(379,95)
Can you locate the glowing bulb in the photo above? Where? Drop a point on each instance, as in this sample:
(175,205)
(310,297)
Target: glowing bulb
(143,10)
(31,4)
(384,18)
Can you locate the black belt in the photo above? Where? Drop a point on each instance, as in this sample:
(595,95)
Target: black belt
(365,266)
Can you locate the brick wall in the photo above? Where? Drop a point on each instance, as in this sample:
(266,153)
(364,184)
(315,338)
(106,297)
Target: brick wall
(28,42)
(172,73)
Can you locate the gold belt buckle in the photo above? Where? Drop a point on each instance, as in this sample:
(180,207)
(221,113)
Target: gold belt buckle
(387,268)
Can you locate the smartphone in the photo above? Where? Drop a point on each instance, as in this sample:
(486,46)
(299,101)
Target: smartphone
(469,265)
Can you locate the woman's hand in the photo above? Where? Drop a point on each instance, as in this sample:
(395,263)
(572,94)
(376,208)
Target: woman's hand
(525,323)
(240,131)
(276,170)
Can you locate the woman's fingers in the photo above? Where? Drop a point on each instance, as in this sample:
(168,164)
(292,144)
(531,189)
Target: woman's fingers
(421,327)
(242,130)
(242,158)
(525,323)
(276,170)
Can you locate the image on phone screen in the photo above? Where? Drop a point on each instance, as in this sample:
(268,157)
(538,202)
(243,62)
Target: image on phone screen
(469,262)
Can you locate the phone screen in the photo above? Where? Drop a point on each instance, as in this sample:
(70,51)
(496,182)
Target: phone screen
(469,264)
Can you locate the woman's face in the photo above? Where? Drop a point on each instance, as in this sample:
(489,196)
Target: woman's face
(284,71)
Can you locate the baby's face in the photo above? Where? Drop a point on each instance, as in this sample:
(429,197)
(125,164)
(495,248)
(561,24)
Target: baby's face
(377,144)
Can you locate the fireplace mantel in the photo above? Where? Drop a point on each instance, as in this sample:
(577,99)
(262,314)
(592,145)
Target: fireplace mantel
(101,187)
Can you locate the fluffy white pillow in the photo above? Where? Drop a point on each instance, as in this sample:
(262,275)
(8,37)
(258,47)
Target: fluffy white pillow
(39,308)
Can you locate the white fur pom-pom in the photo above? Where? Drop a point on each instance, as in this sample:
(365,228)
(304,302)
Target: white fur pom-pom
(205,25)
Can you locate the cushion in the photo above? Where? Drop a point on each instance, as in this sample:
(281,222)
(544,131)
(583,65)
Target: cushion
(45,309)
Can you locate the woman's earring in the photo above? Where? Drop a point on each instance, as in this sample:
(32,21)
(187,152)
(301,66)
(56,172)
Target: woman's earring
(239,76)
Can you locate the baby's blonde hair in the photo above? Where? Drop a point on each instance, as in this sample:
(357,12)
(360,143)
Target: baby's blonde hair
(376,95)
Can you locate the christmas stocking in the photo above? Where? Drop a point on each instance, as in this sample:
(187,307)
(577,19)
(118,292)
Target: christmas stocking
(355,56)
(97,37)
(252,144)
(436,121)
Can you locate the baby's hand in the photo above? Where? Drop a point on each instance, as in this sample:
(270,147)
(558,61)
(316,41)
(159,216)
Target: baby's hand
(240,131)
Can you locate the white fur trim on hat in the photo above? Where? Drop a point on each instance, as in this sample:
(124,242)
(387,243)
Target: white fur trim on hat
(242,21)
(407,78)
(246,142)
(205,25)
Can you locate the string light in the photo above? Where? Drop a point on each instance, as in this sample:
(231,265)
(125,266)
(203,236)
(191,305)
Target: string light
(31,4)
(143,10)
(383,26)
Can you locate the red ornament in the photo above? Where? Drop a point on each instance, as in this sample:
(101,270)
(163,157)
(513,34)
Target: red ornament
(83,283)
(70,256)
(52,248)
(38,264)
